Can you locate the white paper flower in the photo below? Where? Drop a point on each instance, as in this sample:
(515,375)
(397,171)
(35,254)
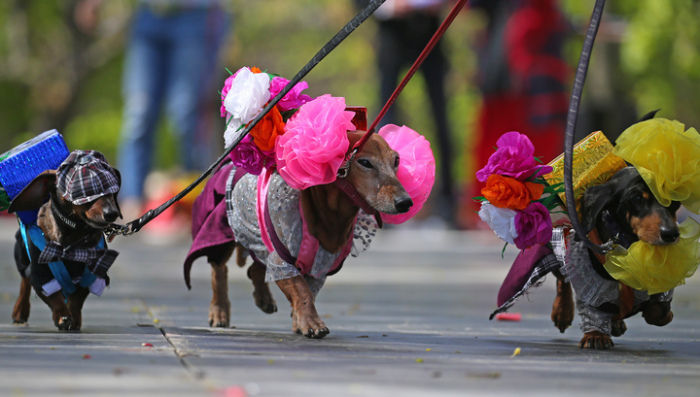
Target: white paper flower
(501,220)
(248,95)
(233,129)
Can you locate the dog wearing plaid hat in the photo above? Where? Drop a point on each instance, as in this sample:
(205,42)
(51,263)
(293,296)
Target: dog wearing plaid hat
(63,254)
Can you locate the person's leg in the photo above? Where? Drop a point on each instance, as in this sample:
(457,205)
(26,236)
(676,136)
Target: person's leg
(195,40)
(142,90)
(434,69)
(389,62)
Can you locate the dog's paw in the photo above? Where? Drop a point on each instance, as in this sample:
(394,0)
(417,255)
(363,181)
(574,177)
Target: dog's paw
(562,317)
(219,315)
(311,328)
(20,314)
(596,340)
(64,323)
(563,307)
(658,313)
(314,333)
(618,328)
(267,307)
(264,301)
(76,322)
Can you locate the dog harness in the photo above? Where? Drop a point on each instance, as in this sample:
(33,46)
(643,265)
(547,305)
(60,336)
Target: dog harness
(265,216)
(97,261)
(309,244)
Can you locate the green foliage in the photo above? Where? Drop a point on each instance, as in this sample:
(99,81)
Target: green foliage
(96,131)
(659,50)
(662,51)
(51,76)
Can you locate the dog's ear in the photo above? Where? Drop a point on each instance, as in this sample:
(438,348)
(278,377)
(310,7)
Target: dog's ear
(648,116)
(118,175)
(596,198)
(34,195)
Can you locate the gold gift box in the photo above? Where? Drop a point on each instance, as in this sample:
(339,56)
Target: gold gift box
(593,164)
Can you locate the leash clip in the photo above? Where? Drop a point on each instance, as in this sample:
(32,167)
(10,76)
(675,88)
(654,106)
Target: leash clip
(344,169)
(115,230)
(613,246)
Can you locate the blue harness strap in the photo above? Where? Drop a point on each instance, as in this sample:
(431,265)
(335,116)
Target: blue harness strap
(58,268)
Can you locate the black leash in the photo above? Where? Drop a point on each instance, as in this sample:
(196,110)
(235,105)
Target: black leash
(136,225)
(571,126)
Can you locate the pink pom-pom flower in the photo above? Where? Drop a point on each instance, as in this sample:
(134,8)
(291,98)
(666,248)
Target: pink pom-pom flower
(515,157)
(416,167)
(224,92)
(314,144)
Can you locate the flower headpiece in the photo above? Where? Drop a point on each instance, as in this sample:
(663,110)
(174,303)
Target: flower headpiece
(315,142)
(244,95)
(667,157)
(514,203)
(306,139)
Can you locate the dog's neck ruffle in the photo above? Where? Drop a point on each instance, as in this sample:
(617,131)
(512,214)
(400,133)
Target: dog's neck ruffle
(658,268)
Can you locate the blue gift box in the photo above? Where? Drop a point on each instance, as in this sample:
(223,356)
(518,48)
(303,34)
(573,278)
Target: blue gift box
(22,164)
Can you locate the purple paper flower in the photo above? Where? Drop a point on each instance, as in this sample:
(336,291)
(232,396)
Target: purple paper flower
(514,157)
(249,157)
(533,225)
(294,98)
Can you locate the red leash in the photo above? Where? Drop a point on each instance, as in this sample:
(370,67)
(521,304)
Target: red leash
(424,54)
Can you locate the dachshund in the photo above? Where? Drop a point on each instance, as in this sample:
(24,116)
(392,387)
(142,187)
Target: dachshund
(82,201)
(625,209)
(326,212)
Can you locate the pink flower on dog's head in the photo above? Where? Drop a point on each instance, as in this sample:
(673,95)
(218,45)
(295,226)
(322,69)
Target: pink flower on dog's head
(224,92)
(294,97)
(249,157)
(416,167)
(315,141)
(514,157)
(533,225)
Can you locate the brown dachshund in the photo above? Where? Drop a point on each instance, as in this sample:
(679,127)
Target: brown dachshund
(329,215)
(623,208)
(82,202)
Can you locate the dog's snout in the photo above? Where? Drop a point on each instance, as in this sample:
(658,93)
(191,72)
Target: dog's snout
(669,234)
(110,214)
(403,204)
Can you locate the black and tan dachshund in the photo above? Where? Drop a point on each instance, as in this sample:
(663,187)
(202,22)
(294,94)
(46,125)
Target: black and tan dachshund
(623,209)
(81,203)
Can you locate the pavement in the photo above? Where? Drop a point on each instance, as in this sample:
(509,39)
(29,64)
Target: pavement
(407,318)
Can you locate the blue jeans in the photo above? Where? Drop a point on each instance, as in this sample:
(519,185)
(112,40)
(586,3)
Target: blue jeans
(171,61)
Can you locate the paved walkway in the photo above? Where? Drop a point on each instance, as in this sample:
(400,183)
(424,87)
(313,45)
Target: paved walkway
(408,318)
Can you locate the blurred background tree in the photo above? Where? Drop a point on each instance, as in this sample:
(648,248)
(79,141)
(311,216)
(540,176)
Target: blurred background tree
(645,58)
(54,76)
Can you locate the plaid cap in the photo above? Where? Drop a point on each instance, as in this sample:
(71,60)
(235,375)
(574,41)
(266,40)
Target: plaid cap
(85,176)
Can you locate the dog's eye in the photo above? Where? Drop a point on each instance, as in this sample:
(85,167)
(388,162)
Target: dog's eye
(638,197)
(365,163)
(396,163)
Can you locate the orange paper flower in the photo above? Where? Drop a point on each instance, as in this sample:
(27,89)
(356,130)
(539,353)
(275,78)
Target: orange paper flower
(506,192)
(267,130)
(255,69)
